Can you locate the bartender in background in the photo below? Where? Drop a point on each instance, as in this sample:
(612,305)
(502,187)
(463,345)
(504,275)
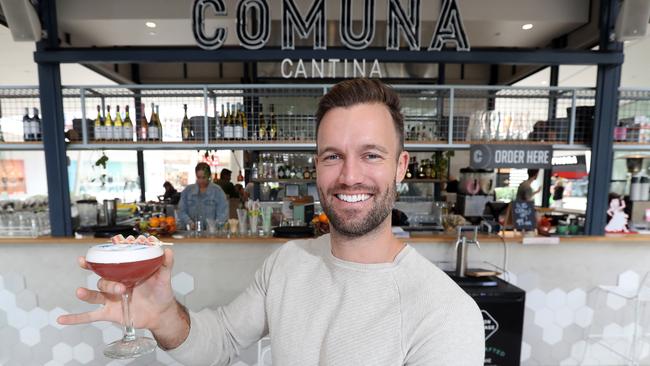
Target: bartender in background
(202,200)
(225,183)
(525,191)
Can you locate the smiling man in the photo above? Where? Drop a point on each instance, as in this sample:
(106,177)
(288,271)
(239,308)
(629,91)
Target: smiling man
(355,297)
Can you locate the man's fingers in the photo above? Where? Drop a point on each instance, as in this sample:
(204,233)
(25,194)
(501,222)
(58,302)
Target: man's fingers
(91,297)
(82,318)
(110,287)
(169,258)
(82,263)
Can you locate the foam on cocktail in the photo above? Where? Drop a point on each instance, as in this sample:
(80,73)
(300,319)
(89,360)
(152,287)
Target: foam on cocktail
(122,253)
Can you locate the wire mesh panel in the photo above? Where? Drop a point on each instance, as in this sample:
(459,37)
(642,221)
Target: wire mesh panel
(18,106)
(422,110)
(633,125)
(262,114)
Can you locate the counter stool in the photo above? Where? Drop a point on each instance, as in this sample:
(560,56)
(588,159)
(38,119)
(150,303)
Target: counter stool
(627,301)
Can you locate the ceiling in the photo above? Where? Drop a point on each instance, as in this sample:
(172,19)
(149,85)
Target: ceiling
(494,23)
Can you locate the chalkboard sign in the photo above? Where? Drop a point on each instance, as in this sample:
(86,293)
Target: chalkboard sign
(523,215)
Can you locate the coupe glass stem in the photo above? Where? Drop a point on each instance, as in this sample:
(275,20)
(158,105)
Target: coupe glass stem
(127,319)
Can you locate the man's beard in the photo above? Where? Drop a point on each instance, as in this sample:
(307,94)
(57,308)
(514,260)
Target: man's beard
(359,226)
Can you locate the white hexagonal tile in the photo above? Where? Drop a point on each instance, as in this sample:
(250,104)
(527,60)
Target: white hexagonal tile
(612,330)
(53,363)
(536,299)
(525,351)
(17,318)
(91,281)
(62,352)
(527,280)
(628,280)
(615,302)
(576,298)
(556,299)
(53,315)
(583,316)
(83,353)
(26,300)
(564,317)
(552,334)
(14,282)
(578,350)
(30,336)
(37,318)
(544,317)
(183,283)
(7,300)
(111,334)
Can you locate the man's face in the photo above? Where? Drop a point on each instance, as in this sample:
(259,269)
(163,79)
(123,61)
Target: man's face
(358,166)
(202,179)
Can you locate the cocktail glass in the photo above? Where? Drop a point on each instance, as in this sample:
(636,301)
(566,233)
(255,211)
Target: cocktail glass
(129,264)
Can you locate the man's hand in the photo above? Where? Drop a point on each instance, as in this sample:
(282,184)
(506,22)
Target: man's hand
(153,305)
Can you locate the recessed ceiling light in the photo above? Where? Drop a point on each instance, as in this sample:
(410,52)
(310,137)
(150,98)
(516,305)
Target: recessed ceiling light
(527,26)
(152,33)
(150,24)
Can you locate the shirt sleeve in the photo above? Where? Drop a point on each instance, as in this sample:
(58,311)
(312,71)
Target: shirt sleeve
(217,336)
(183,217)
(459,340)
(222,206)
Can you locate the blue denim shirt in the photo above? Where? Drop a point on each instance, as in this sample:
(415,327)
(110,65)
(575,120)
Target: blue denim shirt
(194,205)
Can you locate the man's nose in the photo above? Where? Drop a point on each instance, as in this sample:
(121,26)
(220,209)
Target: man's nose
(351,172)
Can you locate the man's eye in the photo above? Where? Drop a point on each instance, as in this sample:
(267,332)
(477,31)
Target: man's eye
(331,157)
(373,156)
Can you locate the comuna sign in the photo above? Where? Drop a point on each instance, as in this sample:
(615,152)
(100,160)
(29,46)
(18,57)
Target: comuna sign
(449,29)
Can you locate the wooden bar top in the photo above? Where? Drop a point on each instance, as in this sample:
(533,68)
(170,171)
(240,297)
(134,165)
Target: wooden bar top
(416,238)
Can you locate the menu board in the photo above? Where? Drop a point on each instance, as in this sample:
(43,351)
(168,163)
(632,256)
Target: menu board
(523,215)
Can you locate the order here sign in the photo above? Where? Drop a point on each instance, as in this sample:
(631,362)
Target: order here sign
(490,156)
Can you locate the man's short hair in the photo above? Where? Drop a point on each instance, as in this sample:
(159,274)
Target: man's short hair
(204,167)
(532,172)
(351,92)
(225,171)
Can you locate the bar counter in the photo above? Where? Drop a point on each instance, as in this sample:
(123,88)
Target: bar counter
(38,278)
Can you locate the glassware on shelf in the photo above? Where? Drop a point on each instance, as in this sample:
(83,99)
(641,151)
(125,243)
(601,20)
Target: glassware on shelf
(241,219)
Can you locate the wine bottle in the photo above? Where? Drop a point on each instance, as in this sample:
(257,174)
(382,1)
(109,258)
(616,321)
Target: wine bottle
(98,128)
(143,129)
(152,128)
(228,129)
(244,120)
(217,123)
(109,129)
(27,126)
(37,126)
(159,127)
(127,128)
(239,123)
(185,125)
(118,125)
(261,132)
(273,135)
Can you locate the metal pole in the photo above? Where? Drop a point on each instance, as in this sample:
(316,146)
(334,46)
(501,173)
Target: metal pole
(607,84)
(551,117)
(51,99)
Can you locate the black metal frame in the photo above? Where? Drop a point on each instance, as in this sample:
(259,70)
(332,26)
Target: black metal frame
(49,56)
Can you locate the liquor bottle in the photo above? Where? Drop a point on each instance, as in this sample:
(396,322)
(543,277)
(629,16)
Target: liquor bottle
(254,171)
(217,123)
(244,121)
(159,127)
(127,128)
(312,172)
(143,129)
(118,125)
(98,128)
(37,127)
(273,131)
(409,171)
(261,132)
(152,128)
(185,125)
(109,129)
(239,124)
(281,172)
(228,128)
(292,169)
(27,126)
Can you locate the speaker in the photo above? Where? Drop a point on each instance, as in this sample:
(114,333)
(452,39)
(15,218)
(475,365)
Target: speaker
(632,20)
(22,20)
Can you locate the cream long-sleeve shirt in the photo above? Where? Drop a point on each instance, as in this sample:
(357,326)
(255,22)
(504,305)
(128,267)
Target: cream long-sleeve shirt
(320,310)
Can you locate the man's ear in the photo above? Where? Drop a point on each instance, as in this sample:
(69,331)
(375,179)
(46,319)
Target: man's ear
(402,166)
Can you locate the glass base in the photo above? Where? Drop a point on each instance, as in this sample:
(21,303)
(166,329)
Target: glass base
(122,349)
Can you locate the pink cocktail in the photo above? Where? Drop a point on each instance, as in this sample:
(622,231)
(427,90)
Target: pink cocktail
(129,264)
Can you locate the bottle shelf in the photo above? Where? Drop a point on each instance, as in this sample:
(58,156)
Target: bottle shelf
(290,181)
